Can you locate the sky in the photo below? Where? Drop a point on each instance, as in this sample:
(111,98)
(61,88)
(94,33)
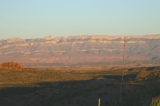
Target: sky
(39,18)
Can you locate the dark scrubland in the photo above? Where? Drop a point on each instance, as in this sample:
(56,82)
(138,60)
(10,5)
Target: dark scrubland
(79,86)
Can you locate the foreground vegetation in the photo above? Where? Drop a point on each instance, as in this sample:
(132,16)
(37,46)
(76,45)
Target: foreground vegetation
(74,86)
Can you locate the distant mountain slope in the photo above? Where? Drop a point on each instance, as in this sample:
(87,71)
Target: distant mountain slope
(81,50)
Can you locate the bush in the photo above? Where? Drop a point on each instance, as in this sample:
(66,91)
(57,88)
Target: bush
(11,66)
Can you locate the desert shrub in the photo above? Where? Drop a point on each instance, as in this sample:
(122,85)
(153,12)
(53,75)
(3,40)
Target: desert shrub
(11,66)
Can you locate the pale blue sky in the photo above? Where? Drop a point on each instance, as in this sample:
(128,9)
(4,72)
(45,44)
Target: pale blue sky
(38,18)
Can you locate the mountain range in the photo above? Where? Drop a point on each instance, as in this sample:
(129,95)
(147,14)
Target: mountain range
(82,50)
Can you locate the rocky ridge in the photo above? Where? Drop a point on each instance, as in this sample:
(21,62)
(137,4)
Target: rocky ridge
(82,50)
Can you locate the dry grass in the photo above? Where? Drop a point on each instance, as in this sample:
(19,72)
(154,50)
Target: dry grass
(35,76)
(57,74)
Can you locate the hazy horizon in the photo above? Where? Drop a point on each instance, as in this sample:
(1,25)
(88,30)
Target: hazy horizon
(37,19)
(34,37)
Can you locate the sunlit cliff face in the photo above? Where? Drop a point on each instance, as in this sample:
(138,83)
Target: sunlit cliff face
(81,49)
